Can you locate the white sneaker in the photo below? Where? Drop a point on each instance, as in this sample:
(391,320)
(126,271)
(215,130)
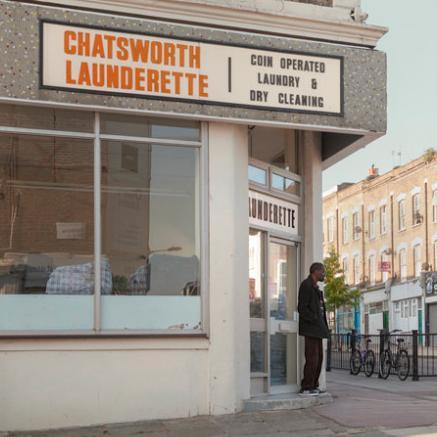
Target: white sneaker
(313,392)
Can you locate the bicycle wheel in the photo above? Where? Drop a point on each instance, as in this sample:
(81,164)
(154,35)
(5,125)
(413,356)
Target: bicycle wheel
(355,362)
(369,363)
(385,364)
(403,365)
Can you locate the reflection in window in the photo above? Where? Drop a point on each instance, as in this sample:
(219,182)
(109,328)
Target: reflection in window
(46,232)
(257,175)
(46,118)
(256,274)
(277,147)
(285,184)
(150,127)
(150,228)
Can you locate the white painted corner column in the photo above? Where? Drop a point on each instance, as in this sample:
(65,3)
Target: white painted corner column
(229,359)
(311,150)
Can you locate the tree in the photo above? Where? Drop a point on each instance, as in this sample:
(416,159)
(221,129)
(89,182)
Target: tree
(337,293)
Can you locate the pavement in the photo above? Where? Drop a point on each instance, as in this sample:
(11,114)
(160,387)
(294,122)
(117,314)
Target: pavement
(362,407)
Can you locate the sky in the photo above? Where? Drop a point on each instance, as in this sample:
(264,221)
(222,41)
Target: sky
(410,46)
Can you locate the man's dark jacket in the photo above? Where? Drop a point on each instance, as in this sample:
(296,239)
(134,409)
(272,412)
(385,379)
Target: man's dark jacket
(312,323)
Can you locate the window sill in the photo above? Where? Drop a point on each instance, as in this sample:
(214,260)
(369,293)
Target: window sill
(102,335)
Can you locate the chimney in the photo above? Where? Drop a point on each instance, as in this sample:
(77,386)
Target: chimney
(373,171)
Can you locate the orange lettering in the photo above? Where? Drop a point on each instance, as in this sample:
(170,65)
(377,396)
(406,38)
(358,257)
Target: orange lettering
(112,72)
(84,74)
(177,81)
(68,78)
(190,77)
(126,78)
(156,52)
(139,49)
(169,54)
(83,44)
(110,40)
(98,49)
(182,48)
(153,81)
(203,85)
(194,56)
(122,53)
(98,74)
(69,36)
(165,82)
(139,78)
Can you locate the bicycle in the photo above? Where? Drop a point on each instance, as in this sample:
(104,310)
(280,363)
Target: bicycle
(400,361)
(363,360)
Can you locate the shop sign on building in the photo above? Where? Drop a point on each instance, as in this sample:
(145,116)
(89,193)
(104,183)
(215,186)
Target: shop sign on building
(384,266)
(272,213)
(98,60)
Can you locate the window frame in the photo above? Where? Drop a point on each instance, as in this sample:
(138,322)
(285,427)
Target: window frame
(415,209)
(383,219)
(355,225)
(403,266)
(434,205)
(401,215)
(97,137)
(372,225)
(345,229)
(417,259)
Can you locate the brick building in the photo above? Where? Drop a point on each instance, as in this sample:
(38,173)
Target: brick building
(384,229)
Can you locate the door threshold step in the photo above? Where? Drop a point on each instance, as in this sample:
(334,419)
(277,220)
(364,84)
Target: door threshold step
(289,401)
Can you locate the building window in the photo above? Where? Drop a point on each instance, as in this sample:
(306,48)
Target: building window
(345,229)
(257,175)
(435,256)
(401,214)
(434,206)
(413,307)
(417,259)
(372,226)
(372,270)
(384,270)
(415,203)
(383,219)
(147,225)
(346,270)
(356,228)
(403,264)
(330,224)
(356,269)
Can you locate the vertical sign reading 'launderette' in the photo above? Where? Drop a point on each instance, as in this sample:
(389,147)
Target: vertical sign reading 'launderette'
(85,59)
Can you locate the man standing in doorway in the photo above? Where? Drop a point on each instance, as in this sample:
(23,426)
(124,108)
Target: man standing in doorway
(313,326)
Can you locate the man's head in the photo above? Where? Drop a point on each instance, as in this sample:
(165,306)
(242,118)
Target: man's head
(317,272)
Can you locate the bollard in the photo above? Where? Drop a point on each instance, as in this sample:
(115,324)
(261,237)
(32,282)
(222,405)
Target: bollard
(328,353)
(415,357)
(353,343)
(382,335)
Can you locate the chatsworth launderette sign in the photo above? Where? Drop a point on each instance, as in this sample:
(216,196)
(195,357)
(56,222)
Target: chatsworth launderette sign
(97,60)
(272,213)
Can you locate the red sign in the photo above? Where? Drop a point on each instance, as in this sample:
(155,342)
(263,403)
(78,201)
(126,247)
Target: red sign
(385,266)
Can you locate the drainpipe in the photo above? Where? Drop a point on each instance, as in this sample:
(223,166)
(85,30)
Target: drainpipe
(337,240)
(363,243)
(392,237)
(426,223)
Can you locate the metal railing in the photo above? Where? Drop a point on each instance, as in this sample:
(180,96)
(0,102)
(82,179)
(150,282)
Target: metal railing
(421,348)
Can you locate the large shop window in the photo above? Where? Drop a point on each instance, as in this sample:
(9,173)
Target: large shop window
(149,229)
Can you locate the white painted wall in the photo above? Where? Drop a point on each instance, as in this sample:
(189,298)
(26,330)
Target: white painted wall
(64,383)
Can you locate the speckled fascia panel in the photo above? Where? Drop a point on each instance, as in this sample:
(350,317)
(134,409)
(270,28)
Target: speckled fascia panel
(364,69)
(315,2)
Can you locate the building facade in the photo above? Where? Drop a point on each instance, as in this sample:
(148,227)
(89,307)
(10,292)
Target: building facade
(384,230)
(160,183)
